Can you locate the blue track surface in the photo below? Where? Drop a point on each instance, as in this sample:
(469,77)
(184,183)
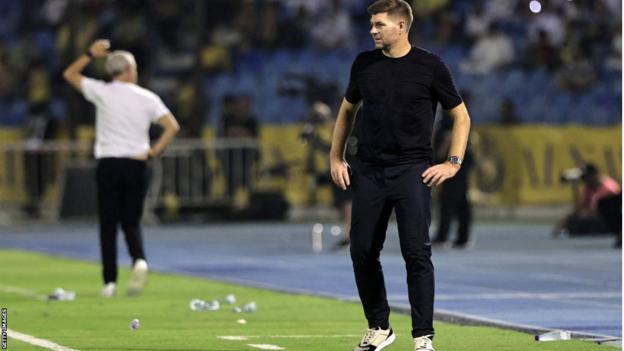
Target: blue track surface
(515,273)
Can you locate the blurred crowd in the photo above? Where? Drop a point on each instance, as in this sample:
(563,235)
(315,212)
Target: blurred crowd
(179,44)
(574,40)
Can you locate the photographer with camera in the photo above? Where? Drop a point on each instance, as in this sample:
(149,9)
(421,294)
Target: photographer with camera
(595,210)
(319,118)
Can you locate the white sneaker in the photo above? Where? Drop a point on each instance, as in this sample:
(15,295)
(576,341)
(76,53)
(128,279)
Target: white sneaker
(423,343)
(138,278)
(109,290)
(376,339)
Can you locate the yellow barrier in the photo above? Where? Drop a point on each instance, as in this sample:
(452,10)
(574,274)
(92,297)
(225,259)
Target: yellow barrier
(282,144)
(521,165)
(514,166)
(12,187)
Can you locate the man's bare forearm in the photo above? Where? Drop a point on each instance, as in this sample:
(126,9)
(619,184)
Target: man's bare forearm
(73,73)
(165,139)
(342,129)
(461,130)
(171,129)
(78,65)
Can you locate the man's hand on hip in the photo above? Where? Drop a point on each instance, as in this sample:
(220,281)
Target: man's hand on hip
(436,175)
(340,173)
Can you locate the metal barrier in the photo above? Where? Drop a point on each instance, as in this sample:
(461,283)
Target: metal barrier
(199,173)
(192,173)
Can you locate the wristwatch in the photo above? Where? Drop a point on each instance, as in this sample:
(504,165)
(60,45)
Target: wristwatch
(454,160)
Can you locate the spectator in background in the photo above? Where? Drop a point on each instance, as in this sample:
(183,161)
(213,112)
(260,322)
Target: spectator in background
(39,86)
(491,52)
(454,203)
(131,32)
(7,76)
(311,7)
(542,54)
(293,33)
(40,127)
(332,29)
(238,124)
(215,55)
(576,74)
(549,21)
(614,61)
(613,7)
(446,23)
(24,54)
(497,10)
(168,15)
(507,112)
(246,25)
(425,8)
(189,108)
(266,32)
(585,217)
(477,22)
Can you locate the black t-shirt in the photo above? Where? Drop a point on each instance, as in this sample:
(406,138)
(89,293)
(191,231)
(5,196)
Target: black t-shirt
(399,99)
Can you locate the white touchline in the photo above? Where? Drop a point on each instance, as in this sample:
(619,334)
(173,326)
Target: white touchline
(241,337)
(21,291)
(266,347)
(29,339)
(233,338)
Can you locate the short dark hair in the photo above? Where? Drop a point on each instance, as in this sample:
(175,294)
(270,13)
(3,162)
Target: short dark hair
(394,8)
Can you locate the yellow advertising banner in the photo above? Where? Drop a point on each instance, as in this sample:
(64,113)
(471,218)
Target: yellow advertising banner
(513,165)
(12,170)
(522,165)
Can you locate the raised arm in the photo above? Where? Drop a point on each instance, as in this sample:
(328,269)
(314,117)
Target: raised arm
(342,129)
(437,174)
(73,73)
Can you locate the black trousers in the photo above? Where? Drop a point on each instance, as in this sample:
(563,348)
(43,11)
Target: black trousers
(122,186)
(378,190)
(454,204)
(610,209)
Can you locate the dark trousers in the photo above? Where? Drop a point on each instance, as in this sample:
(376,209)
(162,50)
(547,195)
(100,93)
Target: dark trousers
(378,190)
(454,204)
(610,209)
(122,185)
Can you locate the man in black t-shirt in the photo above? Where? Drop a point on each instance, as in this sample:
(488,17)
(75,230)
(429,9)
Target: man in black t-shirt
(397,87)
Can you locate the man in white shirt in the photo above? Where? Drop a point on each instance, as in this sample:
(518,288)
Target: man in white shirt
(124,113)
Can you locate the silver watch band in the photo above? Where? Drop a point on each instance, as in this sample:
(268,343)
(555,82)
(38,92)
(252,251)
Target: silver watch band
(455,160)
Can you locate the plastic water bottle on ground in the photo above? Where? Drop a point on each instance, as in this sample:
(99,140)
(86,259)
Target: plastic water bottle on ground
(197,305)
(250,307)
(60,294)
(135,324)
(317,238)
(213,305)
(230,299)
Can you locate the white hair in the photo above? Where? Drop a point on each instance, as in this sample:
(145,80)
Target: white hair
(118,62)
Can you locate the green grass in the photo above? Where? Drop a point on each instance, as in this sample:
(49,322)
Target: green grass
(95,323)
